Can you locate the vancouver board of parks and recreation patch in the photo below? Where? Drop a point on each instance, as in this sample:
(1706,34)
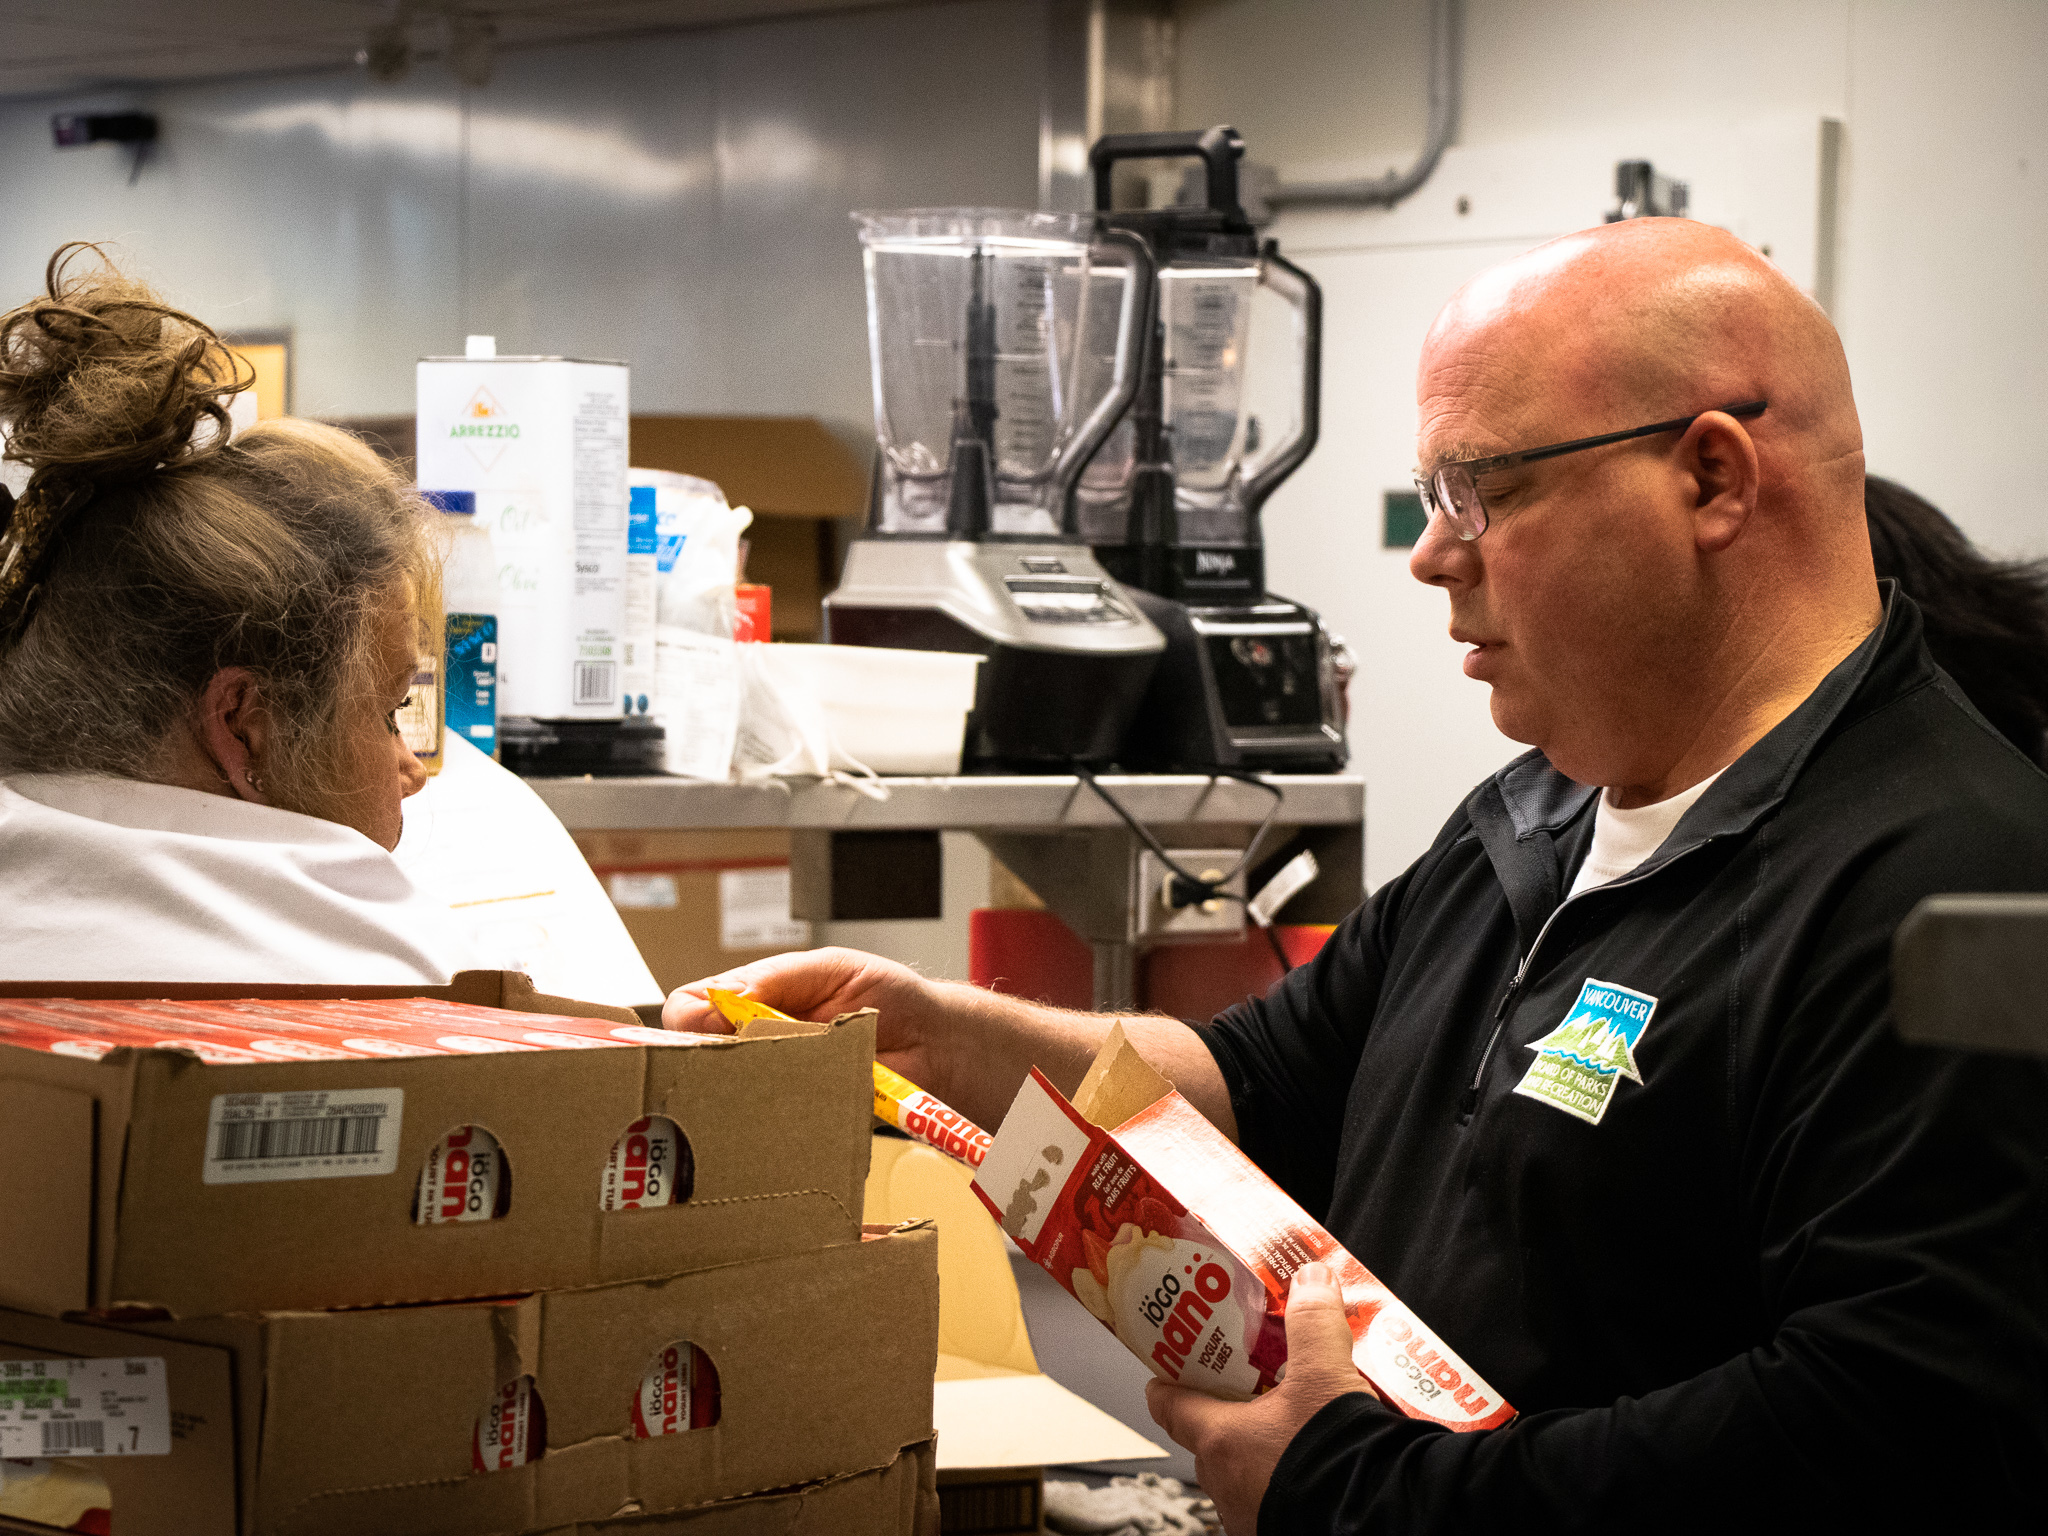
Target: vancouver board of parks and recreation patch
(1579,1063)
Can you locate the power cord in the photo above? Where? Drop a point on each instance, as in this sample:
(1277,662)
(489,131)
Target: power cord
(1279,950)
(1184,889)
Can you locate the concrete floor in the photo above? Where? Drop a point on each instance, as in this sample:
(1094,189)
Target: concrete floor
(1084,1357)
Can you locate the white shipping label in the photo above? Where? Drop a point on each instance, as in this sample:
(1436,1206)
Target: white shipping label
(753,910)
(634,891)
(337,1133)
(84,1408)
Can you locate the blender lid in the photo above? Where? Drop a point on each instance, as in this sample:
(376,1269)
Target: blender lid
(942,225)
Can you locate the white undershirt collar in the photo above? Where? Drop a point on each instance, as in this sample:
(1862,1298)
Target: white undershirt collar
(1624,838)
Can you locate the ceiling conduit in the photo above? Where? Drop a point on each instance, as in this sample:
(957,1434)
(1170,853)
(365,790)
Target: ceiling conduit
(1385,191)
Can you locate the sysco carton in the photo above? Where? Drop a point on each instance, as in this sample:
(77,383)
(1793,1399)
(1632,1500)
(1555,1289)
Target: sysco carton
(1180,1246)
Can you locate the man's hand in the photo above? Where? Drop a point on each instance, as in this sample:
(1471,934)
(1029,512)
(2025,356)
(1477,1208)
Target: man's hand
(968,1046)
(821,984)
(1237,1445)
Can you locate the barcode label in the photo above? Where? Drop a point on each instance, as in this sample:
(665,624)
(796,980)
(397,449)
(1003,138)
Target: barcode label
(594,681)
(61,1437)
(322,1134)
(349,1136)
(115,1407)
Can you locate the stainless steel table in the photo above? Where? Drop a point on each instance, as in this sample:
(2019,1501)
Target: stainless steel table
(1051,831)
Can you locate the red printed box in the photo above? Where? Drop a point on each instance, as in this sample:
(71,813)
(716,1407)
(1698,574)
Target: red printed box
(1181,1247)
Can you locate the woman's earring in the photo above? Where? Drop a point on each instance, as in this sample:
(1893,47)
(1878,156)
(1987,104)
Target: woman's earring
(253,782)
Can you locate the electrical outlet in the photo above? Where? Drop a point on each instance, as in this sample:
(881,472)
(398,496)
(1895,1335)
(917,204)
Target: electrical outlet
(1219,917)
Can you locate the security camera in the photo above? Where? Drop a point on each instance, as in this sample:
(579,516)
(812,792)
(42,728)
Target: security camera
(71,129)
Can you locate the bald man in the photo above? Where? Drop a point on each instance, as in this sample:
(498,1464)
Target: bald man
(1604,1085)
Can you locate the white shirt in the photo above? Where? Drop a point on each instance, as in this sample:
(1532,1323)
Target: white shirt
(108,879)
(480,843)
(1622,839)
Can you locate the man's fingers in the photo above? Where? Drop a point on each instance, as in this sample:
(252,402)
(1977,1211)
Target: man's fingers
(688,1007)
(1318,1335)
(1183,1412)
(793,983)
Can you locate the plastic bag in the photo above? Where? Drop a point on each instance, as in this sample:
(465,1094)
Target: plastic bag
(784,731)
(697,554)
(697,693)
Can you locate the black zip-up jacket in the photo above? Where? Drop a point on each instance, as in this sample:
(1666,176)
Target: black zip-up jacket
(1794,1276)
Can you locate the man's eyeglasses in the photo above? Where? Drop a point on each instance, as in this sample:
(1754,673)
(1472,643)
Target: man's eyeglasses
(1452,490)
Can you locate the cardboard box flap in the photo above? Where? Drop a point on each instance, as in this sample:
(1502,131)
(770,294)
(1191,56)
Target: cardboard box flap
(966,1368)
(1027,1421)
(981,1316)
(773,1025)
(517,991)
(1120,1083)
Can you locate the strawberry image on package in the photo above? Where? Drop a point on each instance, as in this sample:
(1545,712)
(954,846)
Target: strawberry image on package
(1178,1244)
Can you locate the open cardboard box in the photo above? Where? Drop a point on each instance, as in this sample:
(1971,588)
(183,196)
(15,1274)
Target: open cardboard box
(346,1422)
(995,1411)
(104,1204)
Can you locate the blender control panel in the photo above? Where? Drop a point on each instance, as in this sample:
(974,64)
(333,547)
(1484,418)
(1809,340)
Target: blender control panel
(1068,600)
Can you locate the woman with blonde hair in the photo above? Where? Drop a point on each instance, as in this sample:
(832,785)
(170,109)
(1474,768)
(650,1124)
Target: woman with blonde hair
(204,645)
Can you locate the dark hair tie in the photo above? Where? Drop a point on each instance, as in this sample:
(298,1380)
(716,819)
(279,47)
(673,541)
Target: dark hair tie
(27,533)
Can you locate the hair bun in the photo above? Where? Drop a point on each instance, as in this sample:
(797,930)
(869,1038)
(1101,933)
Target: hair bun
(101,381)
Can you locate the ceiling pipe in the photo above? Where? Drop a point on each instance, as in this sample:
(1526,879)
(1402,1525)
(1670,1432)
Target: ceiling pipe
(1385,191)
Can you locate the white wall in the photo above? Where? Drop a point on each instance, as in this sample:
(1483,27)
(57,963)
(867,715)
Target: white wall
(1943,216)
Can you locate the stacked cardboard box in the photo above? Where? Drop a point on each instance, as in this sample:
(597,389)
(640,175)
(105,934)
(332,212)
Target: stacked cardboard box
(297,1353)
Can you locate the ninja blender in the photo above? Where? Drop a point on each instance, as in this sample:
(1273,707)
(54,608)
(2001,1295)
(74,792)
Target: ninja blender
(1004,346)
(1171,502)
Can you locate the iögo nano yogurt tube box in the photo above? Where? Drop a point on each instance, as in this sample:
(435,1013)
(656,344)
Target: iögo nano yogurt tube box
(1177,1243)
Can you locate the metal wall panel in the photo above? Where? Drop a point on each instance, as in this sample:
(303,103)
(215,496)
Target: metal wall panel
(592,212)
(910,108)
(679,201)
(314,205)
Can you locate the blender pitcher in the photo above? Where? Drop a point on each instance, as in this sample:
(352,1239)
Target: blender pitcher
(1004,346)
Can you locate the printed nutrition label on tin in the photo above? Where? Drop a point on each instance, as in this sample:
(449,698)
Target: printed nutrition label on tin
(336,1133)
(84,1408)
